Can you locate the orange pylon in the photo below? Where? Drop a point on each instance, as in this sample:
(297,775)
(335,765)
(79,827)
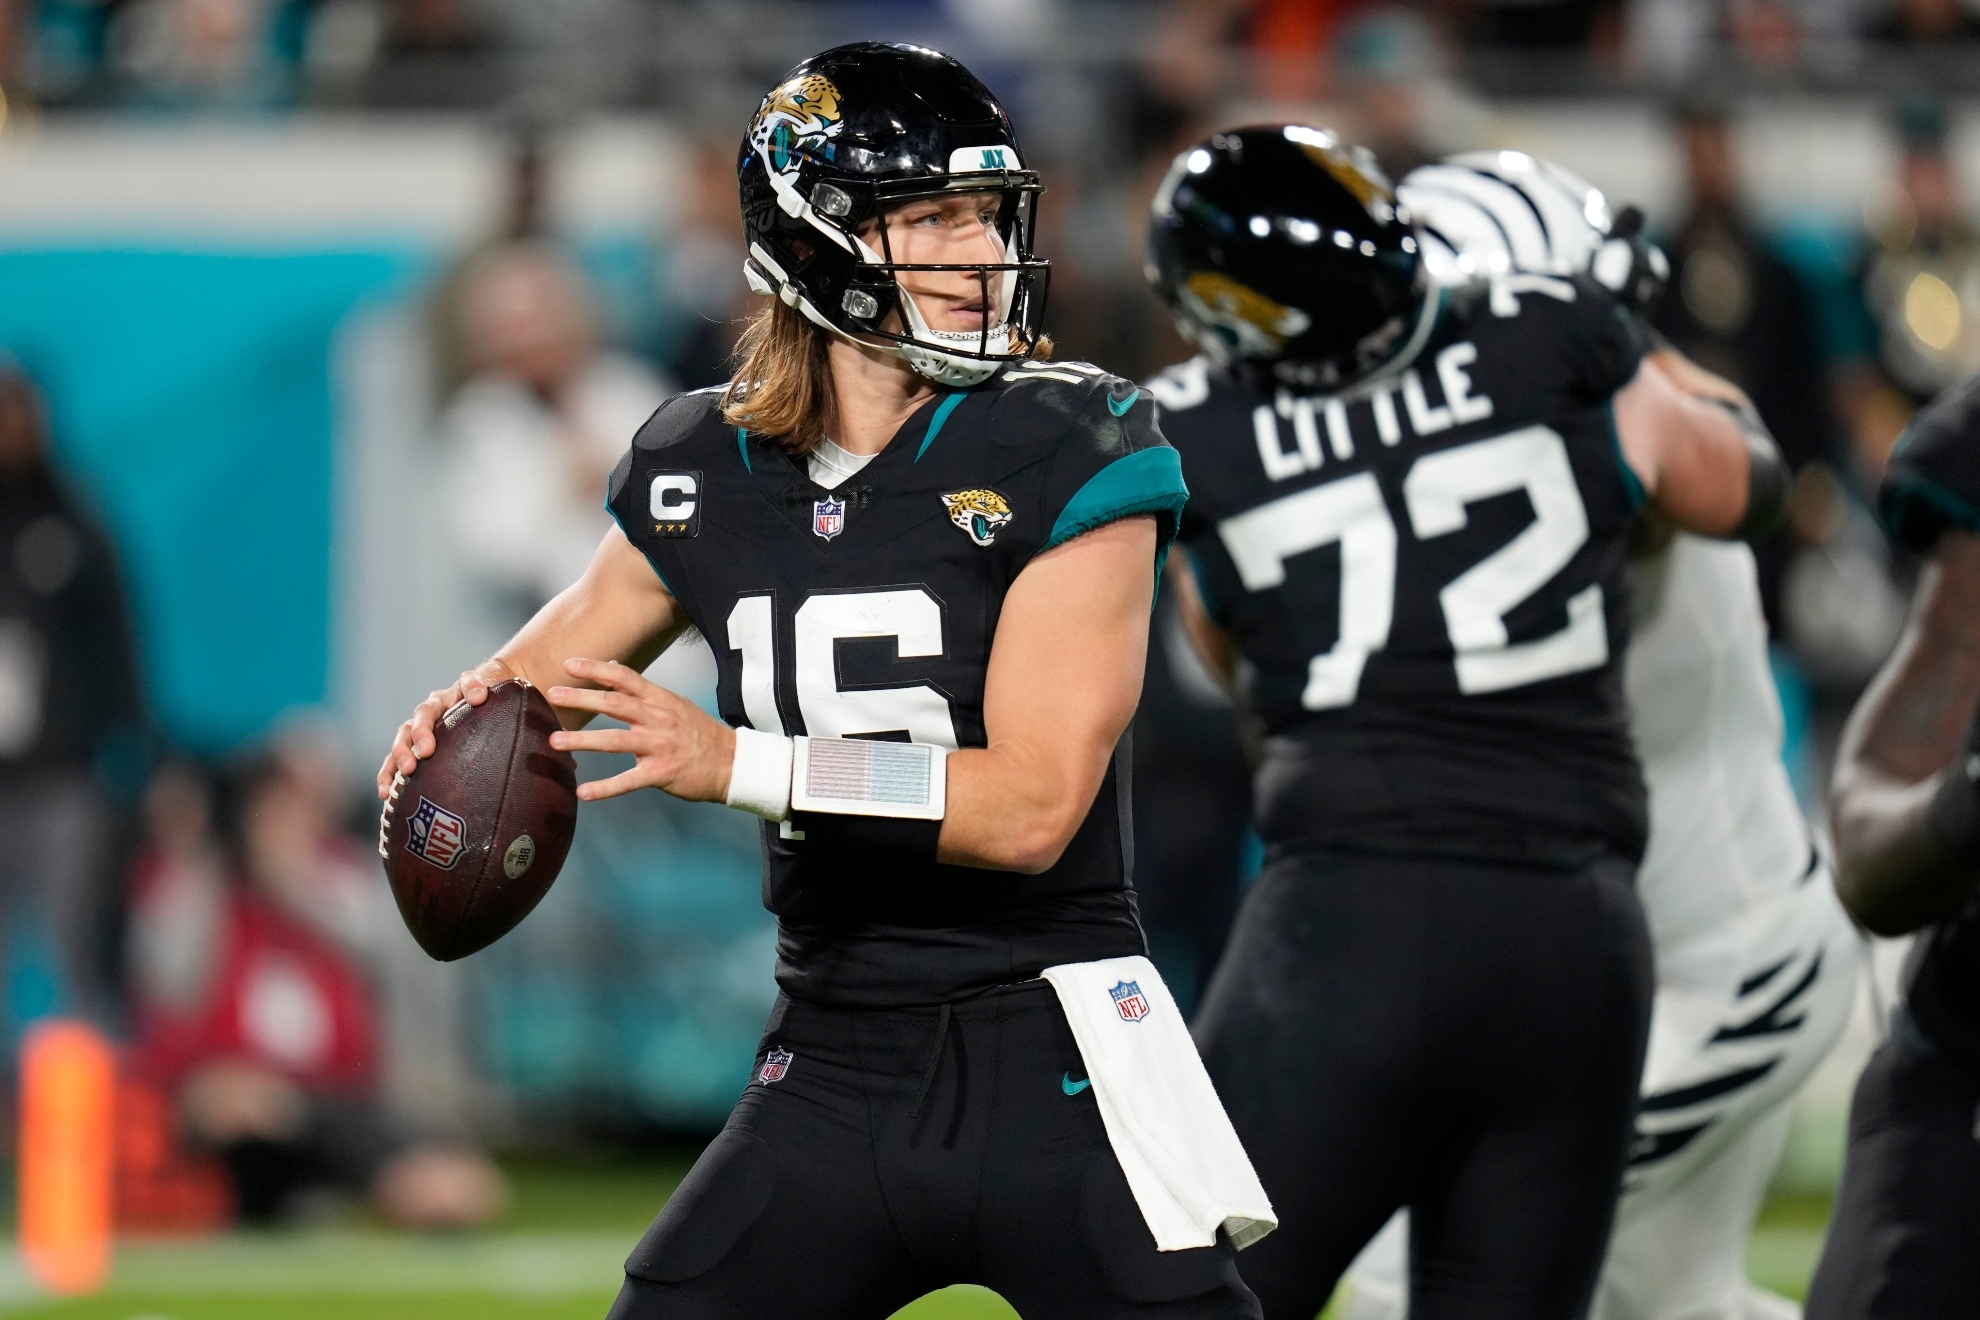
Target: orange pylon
(68,1085)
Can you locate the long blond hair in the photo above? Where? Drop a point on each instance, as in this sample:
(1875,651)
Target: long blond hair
(783,382)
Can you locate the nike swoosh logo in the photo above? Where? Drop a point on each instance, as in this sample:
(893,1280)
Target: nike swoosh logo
(1070,1087)
(1120,410)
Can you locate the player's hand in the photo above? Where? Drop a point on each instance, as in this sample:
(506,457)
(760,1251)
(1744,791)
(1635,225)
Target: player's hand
(414,741)
(678,747)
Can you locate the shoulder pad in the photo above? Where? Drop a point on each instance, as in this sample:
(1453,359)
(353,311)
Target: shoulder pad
(1069,373)
(678,419)
(1932,484)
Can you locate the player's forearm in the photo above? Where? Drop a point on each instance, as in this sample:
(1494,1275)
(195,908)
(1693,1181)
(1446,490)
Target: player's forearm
(1903,809)
(1892,874)
(1015,808)
(618,611)
(1215,647)
(1704,463)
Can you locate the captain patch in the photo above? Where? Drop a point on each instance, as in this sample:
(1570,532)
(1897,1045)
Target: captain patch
(674,504)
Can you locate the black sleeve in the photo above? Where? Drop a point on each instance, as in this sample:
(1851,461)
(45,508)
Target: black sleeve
(1605,342)
(1112,464)
(667,424)
(1932,484)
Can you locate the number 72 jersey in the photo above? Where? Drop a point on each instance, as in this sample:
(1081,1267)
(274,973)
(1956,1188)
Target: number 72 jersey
(1426,578)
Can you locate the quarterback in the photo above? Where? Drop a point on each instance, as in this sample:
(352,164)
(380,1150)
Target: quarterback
(923,558)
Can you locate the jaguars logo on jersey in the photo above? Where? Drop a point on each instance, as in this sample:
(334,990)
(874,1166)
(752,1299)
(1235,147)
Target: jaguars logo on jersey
(801,114)
(981,512)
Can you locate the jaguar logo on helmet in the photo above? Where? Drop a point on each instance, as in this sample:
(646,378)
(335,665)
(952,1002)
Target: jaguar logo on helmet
(1354,168)
(849,137)
(1255,325)
(801,114)
(980,511)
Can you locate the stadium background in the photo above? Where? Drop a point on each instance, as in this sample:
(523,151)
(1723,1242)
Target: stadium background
(228,229)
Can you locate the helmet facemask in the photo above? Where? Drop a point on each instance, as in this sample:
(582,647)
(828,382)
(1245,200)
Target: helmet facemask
(1013,289)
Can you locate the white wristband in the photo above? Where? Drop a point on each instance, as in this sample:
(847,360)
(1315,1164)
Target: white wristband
(857,777)
(760,776)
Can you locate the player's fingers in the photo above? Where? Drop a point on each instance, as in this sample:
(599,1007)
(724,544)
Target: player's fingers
(403,757)
(599,701)
(471,688)
(593,740)
(419,729)
(617,786)
(610,673)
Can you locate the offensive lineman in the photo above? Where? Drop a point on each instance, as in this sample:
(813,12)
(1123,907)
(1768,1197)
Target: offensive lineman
(1409,515)
(1755,958)
(1905,806)
(924,565)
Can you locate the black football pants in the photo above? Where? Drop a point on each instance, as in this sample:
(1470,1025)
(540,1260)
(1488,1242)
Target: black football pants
(905,1150)
(1904,1243)
(1464,1039)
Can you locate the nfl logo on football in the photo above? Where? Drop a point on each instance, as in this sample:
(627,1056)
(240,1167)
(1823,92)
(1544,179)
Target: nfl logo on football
(775,1064)
(1129,1001)
(828,517)
(435,835)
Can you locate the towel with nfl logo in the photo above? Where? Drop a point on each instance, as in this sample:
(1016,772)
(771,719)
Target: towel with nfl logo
(1183,1162)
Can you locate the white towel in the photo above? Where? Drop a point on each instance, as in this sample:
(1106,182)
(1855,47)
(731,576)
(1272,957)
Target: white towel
(1183,1162)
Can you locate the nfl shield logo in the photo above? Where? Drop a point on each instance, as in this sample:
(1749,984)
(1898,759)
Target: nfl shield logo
(1128,999)
(828,517)
(775,1064)
(435,835)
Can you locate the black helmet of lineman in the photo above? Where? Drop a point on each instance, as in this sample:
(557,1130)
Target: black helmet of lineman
(1487,213)
(1282,250)
(853,133)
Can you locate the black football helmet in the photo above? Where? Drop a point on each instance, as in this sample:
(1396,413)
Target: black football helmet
(853,133)
(1281,250)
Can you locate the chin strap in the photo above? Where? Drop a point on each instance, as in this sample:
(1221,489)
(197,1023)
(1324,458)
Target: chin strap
(925,350)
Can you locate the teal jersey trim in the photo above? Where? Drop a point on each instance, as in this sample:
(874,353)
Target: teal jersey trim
(1210,604)
(1632,484)
(1148,481)
(942,411)
(742,445)
(1900,512)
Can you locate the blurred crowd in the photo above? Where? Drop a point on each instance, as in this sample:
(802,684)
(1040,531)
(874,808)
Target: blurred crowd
(285,1040)
(403,54)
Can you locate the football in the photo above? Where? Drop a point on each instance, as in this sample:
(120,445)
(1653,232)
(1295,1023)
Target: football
(473,838)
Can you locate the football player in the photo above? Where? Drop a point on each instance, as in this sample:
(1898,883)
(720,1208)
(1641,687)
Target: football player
(1409,518)
(1755,958)
(1905,808)
(924,562)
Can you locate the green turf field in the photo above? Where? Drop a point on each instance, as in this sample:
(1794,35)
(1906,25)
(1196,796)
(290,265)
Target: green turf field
(554,1256)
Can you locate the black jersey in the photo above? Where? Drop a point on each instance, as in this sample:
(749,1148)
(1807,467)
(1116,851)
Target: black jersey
(1931,487)
(867,611)
(1426,576)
